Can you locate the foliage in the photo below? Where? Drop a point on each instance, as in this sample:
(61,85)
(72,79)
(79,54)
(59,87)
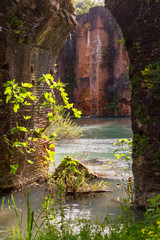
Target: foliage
(124,153)
(151,75)
(72,177)
(148,78)
(17,231)
(112,100)
(83,6)
(62,125)
(140,143)
(24,137)
(140,114)
(128,226)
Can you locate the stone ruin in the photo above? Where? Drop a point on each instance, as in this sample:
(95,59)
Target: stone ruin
(31,35)
(94,64)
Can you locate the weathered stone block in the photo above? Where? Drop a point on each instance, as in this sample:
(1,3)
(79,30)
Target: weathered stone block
(31,35)
(99,62)
(140,24)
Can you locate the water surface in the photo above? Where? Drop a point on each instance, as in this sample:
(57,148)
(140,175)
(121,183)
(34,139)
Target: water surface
(95,149)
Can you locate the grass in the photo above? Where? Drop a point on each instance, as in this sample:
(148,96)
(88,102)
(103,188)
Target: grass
(127,227)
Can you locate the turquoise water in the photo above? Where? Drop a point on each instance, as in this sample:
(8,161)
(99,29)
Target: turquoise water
(95,149)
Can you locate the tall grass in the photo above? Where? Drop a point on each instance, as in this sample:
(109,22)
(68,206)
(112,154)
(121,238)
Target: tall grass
(128,226)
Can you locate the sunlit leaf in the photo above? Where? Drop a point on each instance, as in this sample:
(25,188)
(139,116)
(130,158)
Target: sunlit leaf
(16,107)
(28,85)
(14,168)
(26,117)
(29,161)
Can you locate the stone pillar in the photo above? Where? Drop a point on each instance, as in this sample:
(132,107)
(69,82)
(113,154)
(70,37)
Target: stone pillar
(140,23)
(31,35)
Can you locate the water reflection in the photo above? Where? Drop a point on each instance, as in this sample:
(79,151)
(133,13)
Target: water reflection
(95,149)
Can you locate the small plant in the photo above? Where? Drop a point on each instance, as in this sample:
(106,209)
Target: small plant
(24,137)
(128,225)
(62,126)
(124,153)
(112,100)
(70,179)
(140,143)
(151,75)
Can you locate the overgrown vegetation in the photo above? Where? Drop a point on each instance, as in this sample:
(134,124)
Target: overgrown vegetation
(111,107)
(24,137)
(64,128)
(128,226)
(123,153)
(74,177)
(83,6)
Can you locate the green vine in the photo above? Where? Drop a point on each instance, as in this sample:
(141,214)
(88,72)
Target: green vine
(140,114)
(151,75)
(112,101)
(140,142)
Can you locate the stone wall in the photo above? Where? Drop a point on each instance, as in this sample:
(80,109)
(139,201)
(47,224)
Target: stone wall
(31,35)
(140,23)
(98,78)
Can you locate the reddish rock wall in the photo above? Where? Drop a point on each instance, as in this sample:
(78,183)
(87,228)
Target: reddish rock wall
(100,63)
(31,34)
(140,23)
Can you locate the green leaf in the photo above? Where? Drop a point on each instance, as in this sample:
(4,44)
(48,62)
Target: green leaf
(31,96)
(44,103)
(29,161)
(16,107)
(16,31)
(14,130)
(27,103)
(35,139)
(26,117)
(31,150)
(14,168)
(23,129)
(20,144)
(28,85)
(8,90)
(51,146)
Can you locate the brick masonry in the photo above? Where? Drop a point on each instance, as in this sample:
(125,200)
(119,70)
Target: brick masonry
(27,52)
(140,23)
(99,72)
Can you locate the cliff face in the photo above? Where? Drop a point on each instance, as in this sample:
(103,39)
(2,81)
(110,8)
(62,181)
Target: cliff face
(140,24)
(31,34)
(94,63)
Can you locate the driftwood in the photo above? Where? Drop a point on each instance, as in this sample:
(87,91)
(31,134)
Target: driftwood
(88,191)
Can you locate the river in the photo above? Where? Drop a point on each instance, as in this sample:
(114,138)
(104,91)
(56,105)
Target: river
(95,149)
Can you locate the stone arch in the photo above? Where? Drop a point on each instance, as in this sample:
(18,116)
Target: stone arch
(142,34)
